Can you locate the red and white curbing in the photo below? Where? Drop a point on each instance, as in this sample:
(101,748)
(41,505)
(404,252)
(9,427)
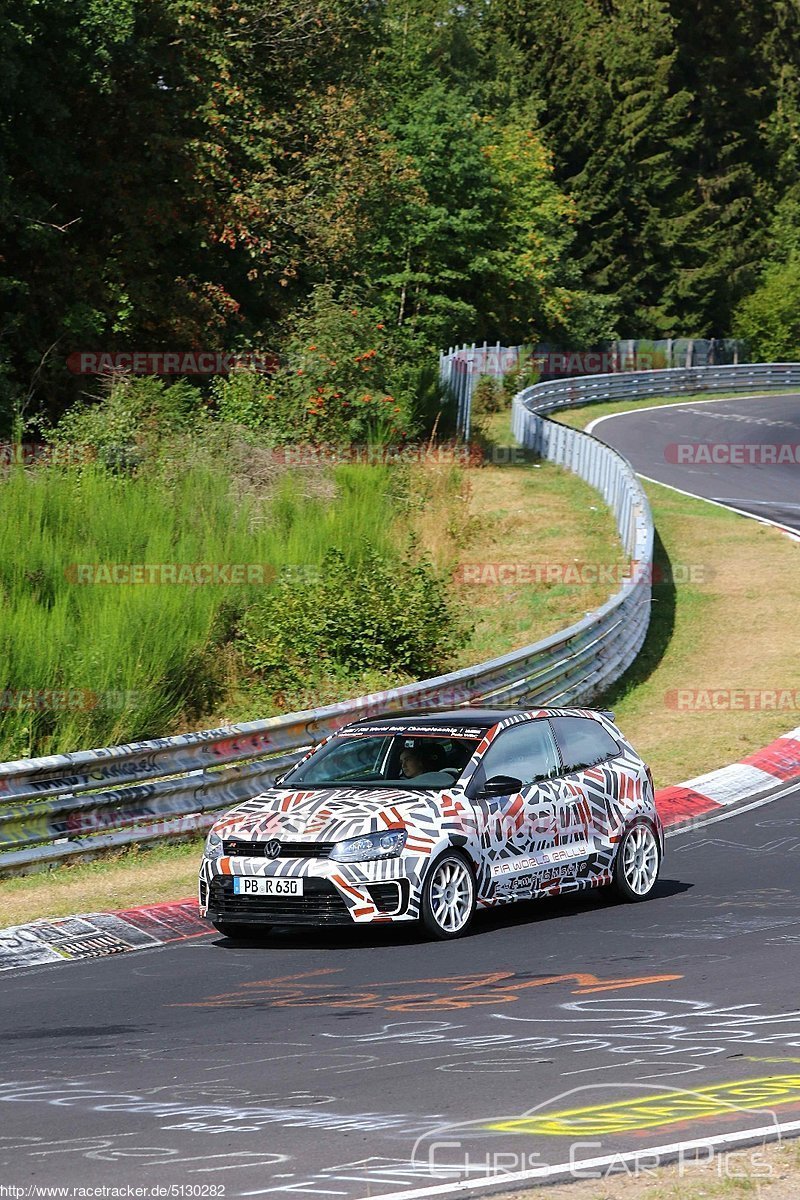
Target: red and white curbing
(777,763)
(97,935)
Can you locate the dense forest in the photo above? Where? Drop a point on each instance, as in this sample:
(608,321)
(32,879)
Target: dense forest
(185,174)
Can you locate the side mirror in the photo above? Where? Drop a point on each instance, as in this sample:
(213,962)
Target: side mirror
(500,785)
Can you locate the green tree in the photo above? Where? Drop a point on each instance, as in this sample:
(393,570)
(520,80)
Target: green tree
(769,318)
(618,123)
(153,159)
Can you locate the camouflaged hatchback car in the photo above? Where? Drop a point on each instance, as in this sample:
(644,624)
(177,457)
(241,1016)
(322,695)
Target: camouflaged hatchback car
(430,816)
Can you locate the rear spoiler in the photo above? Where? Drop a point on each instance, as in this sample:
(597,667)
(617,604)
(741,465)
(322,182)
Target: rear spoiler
(603,712)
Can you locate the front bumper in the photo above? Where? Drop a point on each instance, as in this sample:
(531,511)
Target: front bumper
(333,894)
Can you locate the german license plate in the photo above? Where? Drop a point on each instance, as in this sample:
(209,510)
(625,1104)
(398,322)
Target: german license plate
(259,885)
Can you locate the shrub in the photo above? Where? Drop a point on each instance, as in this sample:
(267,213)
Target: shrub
(247,398)
(518,378)
(433,404)
(336,385)
(127,426)
(488,396)
(383,614)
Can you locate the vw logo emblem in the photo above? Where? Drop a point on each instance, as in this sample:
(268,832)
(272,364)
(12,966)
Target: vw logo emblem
(272,848)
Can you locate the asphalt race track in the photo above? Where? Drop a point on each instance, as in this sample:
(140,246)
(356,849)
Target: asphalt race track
(359,1063)
(650,438)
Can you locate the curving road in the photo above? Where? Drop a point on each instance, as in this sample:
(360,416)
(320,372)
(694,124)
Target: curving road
(354,1064)
(743,453)
(369,1063)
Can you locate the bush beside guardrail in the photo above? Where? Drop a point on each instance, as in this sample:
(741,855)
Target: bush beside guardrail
(76,805)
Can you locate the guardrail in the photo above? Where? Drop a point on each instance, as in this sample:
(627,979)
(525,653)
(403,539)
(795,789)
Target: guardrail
(69,805)
(461,369)
(677,381)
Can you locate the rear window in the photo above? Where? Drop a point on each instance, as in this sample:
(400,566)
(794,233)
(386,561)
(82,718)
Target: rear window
(582,742)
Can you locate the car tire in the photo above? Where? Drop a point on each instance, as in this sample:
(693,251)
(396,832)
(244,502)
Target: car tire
(637,863)
(239,932)
(449,896)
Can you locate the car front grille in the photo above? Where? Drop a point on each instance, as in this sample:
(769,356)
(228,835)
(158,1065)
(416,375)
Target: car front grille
(320,904)
(233,846)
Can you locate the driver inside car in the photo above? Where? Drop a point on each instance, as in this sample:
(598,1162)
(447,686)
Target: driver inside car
(423,764)
(415,760)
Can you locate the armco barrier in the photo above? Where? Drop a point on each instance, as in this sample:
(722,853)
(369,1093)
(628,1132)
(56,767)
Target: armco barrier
(679,381)
(461,369)
(56,808)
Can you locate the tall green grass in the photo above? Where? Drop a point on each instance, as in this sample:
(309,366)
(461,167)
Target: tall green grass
(131,658)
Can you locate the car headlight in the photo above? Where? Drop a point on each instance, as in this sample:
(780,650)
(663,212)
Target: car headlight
(373,845)
(213,846)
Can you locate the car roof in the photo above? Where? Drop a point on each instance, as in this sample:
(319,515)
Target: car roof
(469,716)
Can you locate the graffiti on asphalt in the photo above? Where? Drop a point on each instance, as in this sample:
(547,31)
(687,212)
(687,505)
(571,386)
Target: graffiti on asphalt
(665,1108)
(114,1148)
(628,1033)
(454,992)
(210,1118)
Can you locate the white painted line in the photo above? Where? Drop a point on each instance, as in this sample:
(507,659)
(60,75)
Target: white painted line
(607,1160)
(793,533)
(678,403)
(744,500)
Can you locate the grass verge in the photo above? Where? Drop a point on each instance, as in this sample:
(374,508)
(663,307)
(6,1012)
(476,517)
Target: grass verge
(123,880)
(768,1172)
(723,628)
(512,522)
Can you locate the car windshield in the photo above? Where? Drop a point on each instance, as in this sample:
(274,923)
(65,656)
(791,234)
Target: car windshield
(413,760)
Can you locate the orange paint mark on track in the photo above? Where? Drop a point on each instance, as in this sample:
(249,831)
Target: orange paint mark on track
(445,994)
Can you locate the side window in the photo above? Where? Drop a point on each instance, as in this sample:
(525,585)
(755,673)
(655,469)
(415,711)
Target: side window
(582,742)
(526,751)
